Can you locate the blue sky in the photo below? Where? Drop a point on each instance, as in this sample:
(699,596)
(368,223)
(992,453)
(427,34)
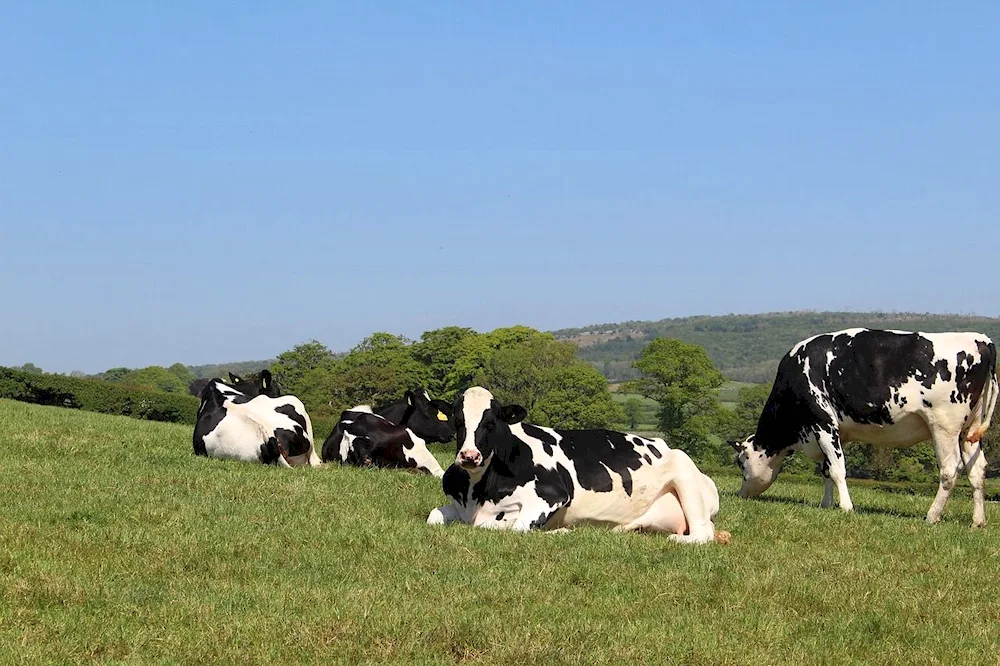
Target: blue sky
(204,182)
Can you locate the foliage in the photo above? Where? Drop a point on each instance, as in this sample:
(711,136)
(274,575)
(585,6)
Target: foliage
(474,352)
(143,553)
(377,371)
(437,351)
(683,380)
(633,411)
(97,396)
(292,365)
(157,378)
(544,377)
(30,368)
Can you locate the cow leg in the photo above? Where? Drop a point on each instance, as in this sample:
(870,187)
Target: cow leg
(975,467)
(827,487)
(949,464)
(443,515)
(423,459)
(534,515)
(836,466)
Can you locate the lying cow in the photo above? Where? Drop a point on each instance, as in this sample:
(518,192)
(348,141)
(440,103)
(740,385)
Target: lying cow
(260,383)
(395,435)
(889,388)
(263,429)
(513,475)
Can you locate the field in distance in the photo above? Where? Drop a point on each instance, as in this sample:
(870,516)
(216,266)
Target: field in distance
(118,544)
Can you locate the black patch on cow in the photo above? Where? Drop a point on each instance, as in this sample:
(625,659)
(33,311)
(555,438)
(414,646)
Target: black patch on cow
(547,440)
(654,450)
(647,459)
(539,522)
(555,486)
(210,413)
(927,403)
(294,442)
(500,515)
(292,413)
(269,451)
(456,484)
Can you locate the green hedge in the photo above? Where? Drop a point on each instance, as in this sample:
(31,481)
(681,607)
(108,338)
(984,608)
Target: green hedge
(97,396)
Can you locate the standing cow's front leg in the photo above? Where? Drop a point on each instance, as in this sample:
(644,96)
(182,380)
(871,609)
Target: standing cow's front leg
(827,486)
(836,468)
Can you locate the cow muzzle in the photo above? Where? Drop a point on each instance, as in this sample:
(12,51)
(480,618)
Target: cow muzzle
(469,459)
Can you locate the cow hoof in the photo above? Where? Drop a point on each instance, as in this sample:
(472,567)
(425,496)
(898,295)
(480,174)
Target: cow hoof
(435,517)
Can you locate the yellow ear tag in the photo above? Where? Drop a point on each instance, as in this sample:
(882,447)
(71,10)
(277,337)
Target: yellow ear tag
(442,416)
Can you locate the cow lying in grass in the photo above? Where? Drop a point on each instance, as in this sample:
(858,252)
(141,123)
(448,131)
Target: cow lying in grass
(261,429)
(887,388)
(513,475)
(395,435)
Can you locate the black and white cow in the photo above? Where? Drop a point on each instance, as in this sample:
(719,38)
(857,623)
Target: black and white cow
(262,429)
(394,435)
(890,388)
(261,383)
(513,475)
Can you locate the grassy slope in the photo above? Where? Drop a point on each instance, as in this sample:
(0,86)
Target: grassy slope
(117,544)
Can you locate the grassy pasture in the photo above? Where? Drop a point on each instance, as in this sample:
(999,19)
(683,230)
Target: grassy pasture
(116,544)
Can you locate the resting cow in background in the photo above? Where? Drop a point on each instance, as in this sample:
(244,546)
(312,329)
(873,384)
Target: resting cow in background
(260,383)
(262,429)
(513,475)
(888,388)
(394,435)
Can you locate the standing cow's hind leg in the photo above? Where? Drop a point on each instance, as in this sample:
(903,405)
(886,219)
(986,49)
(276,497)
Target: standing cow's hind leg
(975,467)
(946,446)
(836,469)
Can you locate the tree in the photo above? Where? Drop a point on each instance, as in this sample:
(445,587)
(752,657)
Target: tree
(437,351)
(378,370)
(114,374)
(473,352)
(633,411)
(30,368)
(155,377)
(292,365)
(545,377)
(682,378)
(182,372)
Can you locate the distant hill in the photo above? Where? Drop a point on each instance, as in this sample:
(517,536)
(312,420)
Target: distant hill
(746,347)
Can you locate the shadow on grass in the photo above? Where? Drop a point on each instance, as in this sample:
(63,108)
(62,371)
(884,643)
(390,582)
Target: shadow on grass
(862,509)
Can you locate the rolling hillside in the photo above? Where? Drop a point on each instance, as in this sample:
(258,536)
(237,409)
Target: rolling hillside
(746,347)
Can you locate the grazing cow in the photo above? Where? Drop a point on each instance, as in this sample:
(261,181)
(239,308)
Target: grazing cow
(260,383)
(262,429)
(395,435)
(889,388)
(513,475)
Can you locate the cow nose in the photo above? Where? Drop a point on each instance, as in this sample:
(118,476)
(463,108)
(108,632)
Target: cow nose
(470,457)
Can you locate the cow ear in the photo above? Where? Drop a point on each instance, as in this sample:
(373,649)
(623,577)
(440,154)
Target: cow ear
(409,398)
(442,409)
(236,379)
(737,446)
(265,378)
(511,414)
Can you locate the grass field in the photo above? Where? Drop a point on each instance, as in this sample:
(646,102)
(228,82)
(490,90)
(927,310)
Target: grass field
(119,545)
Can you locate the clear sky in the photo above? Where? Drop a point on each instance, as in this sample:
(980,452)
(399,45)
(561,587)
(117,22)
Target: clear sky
(214,181)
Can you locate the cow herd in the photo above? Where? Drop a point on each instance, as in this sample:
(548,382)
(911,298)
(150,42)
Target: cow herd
(888,388)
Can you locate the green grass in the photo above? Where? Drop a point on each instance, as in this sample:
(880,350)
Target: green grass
(116,544)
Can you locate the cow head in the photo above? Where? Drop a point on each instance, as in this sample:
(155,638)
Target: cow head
(480,421)
(261,383)
(759,469)
(429,419)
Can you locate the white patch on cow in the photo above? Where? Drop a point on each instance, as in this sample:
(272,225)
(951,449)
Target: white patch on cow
(366,409)
(421,456)
(476,402)
(346,444)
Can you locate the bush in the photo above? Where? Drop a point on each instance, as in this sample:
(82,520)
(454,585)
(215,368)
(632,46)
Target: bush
(97,396)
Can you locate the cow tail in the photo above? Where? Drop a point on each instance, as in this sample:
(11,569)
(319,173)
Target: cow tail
(982,413)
